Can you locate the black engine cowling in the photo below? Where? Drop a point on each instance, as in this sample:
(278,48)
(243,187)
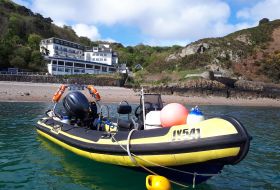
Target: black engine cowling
(76,105)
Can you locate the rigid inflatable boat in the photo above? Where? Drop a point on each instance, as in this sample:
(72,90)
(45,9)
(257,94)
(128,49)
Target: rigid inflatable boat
(183,153)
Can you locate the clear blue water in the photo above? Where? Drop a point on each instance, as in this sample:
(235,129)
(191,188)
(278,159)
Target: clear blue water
(28,161)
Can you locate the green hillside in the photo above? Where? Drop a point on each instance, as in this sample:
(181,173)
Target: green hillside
(252,54)
(20,33)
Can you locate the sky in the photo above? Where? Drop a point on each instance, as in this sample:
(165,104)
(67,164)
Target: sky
(155,22)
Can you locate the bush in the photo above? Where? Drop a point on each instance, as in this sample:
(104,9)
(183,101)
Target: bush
(195,61)
(263,21)
(271,68)
(34,41)
(18,62)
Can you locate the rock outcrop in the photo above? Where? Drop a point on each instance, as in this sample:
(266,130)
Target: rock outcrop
(203,87)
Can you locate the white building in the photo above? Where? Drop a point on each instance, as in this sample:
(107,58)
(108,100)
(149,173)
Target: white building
(67,57)
(102,54)
(55,47)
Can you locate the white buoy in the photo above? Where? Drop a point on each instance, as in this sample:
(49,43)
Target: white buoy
(195,116)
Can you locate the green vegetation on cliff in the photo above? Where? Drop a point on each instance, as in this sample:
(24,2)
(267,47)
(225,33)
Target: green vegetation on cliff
(20,33)
(247,53)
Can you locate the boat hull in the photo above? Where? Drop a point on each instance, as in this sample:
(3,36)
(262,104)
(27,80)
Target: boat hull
(203,149)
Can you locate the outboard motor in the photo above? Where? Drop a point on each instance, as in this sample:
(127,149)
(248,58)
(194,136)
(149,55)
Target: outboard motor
(76,105)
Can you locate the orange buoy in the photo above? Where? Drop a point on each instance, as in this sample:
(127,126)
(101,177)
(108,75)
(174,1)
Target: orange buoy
(173,114)
(59,93)
(156,182)
(94,92)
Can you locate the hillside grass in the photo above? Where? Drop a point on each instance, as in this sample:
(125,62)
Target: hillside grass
(21,31)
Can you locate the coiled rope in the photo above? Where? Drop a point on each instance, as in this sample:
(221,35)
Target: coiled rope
(132,157)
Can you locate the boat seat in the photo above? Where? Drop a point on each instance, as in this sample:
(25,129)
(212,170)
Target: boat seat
(124,109)
(125,125)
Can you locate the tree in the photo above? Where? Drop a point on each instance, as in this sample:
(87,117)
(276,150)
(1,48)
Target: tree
(263,21)
(17,26)
(85,41)
(37,62)
(34,41)
(18,62)
(4,55)
(23,52)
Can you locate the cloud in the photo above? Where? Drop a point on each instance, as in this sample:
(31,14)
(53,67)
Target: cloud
(157,20)
(109,40)
(263,9)
(88,31)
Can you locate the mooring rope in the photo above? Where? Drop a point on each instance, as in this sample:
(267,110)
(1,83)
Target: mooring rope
(128,146)
(132,157)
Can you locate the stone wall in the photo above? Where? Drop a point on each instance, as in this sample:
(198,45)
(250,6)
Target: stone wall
(98,81)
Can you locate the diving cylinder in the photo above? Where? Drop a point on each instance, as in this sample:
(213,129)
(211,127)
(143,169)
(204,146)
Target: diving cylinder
(195,116)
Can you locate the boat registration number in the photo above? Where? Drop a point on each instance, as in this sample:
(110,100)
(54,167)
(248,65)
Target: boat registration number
(186,134)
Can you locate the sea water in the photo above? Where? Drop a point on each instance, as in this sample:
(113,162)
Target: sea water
(28,161)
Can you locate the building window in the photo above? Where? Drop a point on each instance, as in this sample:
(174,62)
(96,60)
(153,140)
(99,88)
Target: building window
(68,70)
(101,59)
(105,59)
(54,62)
(89,66)
(104,69)
(97,67)
(112,69)
(60,69)
(69,64)
(79,65)
(60,63)
(93,59)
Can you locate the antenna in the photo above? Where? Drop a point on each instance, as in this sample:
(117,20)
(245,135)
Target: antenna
(143,106)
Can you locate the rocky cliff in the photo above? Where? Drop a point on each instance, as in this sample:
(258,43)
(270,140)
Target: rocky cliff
(246,54)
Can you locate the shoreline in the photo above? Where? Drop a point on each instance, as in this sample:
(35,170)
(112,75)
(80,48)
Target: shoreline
(43,92)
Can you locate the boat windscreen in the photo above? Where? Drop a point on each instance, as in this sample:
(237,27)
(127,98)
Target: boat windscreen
(152,102)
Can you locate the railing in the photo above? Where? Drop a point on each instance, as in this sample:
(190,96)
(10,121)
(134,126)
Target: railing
(22,73)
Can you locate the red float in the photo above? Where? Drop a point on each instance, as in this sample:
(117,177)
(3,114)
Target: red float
(173,114)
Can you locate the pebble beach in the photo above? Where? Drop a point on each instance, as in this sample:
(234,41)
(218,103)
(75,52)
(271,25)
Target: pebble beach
(43,92)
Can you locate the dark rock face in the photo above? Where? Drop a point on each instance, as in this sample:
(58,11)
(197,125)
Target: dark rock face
(256,89)
(104,81)
(202,87)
